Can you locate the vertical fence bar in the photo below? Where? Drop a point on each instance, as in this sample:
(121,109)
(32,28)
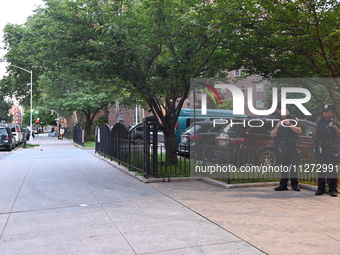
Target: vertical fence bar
(146,147)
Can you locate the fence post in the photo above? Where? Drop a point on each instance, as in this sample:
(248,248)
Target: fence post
(150,124)
(155,148)
(146,148)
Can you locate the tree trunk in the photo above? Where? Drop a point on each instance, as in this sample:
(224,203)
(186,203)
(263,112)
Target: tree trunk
(88,126)
(170,144)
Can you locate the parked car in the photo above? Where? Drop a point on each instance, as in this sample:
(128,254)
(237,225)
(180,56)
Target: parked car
(198,135)
(7,139)
(16,131)
(188,116)
(242,143)
(137,134)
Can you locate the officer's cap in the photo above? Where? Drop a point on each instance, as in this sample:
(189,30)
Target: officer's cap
(328,108)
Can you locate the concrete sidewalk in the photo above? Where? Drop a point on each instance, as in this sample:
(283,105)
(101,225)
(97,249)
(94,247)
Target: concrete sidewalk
(286,222)
(60,199)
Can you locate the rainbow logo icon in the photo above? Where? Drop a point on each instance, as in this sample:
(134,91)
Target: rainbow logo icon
(207,90)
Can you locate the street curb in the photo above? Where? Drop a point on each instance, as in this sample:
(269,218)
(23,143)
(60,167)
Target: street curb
(203,179)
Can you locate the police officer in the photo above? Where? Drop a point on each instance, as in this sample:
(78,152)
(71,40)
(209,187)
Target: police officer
(326,135)
(285,136)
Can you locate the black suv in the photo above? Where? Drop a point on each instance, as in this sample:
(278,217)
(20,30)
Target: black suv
(7,139)
(197,136)
(137,134)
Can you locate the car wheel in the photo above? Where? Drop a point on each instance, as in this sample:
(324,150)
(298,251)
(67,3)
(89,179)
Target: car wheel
(267,157)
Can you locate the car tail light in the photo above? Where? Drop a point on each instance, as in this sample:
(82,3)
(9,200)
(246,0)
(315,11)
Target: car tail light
(17,130)
(176,126)
(237,140)
(197,137)
(7,138)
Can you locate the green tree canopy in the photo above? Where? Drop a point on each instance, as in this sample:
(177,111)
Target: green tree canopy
(157,47)
(57,42)
(285,38)
(88,53)
(5,106)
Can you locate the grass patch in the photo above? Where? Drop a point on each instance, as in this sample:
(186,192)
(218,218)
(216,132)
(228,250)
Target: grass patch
(309,183)
(90,144)
(182,169)
(137,173)
(28,146)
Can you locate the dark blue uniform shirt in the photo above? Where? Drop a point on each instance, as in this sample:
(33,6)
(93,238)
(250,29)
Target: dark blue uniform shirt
(325,132)
(285,134)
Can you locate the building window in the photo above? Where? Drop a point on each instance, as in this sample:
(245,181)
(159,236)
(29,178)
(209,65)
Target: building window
(259,104)
(239,72)
(259,87)
(121,118)
(138,119)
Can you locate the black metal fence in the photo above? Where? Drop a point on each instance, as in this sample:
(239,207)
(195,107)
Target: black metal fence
(78,135)
(251,163)
(147,156)
(137,148)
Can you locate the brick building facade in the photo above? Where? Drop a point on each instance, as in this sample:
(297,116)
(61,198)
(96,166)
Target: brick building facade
(17,114)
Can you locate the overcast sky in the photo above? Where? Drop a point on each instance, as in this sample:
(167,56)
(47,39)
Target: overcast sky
(14,12)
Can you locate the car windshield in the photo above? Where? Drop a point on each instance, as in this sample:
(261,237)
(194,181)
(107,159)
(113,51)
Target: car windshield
(192,129)
(234,128)
(3,131)
(225,128)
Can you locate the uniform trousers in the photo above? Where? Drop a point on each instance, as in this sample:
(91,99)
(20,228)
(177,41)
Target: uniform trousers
(327,157)
(288,155)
